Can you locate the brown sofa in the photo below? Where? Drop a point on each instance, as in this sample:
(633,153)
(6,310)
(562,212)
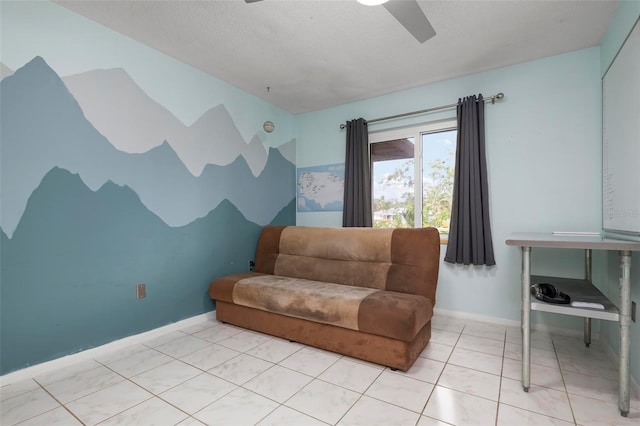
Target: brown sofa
(363,292)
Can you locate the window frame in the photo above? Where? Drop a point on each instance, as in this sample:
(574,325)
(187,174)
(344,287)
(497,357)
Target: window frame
(416,132)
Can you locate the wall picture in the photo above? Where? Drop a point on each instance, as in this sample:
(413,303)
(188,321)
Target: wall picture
(320,188)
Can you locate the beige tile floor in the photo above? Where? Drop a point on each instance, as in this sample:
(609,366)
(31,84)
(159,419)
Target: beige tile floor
(217,374)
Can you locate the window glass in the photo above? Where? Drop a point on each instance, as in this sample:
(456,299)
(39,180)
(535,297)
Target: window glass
(412,176)
(438,166)
(393,183)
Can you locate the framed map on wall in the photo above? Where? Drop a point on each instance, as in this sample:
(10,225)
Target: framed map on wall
(320,188)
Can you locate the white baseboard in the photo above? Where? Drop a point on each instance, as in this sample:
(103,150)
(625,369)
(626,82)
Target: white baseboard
(65,361)
(476,317)
(512,323)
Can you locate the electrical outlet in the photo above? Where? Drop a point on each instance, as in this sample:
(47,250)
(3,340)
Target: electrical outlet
(141,291)
(252,265)
(633,311)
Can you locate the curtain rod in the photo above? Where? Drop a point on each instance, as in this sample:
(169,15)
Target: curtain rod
(423,111)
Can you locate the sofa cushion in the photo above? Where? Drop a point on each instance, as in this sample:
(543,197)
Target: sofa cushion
(313,300)
(400,260)
(385,313)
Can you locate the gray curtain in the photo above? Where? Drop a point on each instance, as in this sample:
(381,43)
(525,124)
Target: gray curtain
(470,230)
(357,176)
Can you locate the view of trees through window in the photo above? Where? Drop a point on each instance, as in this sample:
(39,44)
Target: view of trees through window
(395,185)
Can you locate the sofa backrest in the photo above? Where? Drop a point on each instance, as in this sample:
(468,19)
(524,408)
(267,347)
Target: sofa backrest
(404,260)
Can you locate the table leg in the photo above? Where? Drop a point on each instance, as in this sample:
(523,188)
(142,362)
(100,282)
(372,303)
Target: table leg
(587,276)
(526,318)
(625,324)
(587,332)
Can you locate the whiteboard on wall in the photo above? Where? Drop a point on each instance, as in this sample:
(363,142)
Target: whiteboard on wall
(621,139)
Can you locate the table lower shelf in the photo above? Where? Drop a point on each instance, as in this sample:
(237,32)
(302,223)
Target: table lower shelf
(579,290)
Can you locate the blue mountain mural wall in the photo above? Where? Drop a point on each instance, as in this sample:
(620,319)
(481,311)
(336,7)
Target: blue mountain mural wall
(41,116)
(91,221)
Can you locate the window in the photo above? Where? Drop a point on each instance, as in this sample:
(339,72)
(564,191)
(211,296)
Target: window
(412,176)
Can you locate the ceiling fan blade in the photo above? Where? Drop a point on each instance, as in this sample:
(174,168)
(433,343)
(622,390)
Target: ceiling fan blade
(251,1)
(411,16)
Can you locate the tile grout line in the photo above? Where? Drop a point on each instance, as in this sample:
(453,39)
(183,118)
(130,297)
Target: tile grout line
(106,387)
(317,377)
(281,404)
(361,395)
(564,382)
(435,385)
(504,350)
(158,395)
(58,401)
(241,386)
(446,362)
(548,388)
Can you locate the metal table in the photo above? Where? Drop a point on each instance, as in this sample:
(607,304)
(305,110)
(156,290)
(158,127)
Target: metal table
(584,289)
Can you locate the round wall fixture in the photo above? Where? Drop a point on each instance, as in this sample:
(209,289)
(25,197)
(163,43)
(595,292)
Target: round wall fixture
(268,126)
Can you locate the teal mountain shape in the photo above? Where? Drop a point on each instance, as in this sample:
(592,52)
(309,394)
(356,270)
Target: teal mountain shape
(69,271)
(43,126)
(287,215)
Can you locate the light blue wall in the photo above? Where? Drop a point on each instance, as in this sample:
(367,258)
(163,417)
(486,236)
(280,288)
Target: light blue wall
(86,213)
(626,15)
(544,165)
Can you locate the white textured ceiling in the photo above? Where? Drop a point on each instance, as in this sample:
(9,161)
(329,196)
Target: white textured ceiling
(315,54)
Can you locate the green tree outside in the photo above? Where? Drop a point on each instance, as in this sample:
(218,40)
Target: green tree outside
(437,196)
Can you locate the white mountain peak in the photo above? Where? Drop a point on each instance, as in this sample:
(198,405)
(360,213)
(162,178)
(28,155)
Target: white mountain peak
(135,123)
